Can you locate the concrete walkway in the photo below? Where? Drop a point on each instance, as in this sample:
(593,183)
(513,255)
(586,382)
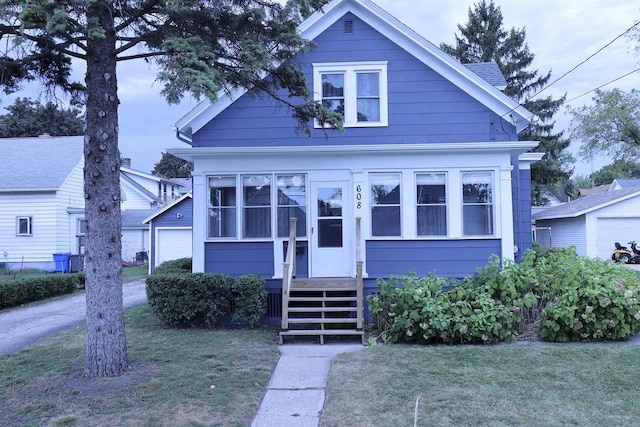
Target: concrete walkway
(295,394)
(22,326)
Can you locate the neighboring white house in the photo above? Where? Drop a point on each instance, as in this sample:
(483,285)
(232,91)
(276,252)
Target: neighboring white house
(592,223)
(42,200)
(140,190)
(42,203)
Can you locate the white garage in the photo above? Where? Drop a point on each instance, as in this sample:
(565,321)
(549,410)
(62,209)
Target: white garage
(172,243)
(612,230)
(170,231)
(592,224)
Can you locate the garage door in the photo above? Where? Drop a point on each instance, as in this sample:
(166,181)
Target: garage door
(172,243)
(611,230)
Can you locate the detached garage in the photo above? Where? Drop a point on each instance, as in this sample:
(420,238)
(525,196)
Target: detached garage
(170,231)
(592,223)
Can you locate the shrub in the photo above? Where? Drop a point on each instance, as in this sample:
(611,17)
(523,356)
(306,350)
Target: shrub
(37,288)
(196,299)
(601,303)
(415,309)
(180,265)
(249,299)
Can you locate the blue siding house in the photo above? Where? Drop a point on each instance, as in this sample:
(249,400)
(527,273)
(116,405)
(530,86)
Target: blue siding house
(429,163)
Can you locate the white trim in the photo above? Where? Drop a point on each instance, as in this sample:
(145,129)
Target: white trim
(350,72)
(192,153)
(163,210)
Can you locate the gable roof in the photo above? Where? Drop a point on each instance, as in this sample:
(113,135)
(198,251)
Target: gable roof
(423,50)
(586,204)
(617,184)
(134,218)
(39,163)
(161,211)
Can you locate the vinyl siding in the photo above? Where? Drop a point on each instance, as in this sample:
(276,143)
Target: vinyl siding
(448,258)
(53,228)
(423,106)
(238,258)
(169,218)
(567,232)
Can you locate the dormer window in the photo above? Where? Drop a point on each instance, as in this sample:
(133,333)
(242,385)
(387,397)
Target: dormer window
(357,91)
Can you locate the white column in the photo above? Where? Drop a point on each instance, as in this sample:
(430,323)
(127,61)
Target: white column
(505,218)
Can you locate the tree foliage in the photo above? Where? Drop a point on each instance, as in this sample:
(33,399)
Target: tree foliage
(202,47)
(30,118)
(484,39)
(610,126)
(619,169)
(171,166)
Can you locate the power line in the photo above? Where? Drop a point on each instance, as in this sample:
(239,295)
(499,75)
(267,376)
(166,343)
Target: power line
(588,58)
(601,86)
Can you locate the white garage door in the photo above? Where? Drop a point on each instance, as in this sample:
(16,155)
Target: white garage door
(611,230)
(172,243)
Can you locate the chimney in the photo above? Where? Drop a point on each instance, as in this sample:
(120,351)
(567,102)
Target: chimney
(126,162)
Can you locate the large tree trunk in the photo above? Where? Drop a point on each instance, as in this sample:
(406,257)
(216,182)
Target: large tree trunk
(106,341)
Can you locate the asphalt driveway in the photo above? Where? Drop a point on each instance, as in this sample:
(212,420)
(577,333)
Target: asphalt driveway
(20,327)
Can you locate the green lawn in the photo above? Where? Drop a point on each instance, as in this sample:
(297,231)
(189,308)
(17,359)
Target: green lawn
(179,377)
(499,385)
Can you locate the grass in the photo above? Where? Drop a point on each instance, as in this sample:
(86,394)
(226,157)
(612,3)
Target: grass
(179,377)
(501,385)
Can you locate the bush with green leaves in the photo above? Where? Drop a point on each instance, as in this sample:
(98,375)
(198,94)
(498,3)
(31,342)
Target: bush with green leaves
(180,265)
(417,309)
(249,299)
(198,299)
(554,294)
(22,291)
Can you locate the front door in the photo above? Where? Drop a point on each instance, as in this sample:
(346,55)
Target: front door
(330,244)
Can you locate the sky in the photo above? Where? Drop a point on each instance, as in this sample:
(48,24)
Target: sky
(561,35)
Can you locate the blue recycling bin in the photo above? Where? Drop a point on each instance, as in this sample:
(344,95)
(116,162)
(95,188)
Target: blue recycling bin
(61,262)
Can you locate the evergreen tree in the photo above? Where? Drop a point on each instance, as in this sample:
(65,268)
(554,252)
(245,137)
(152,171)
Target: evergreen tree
(483,39)
(171,166)
(202,47)
(31,118)
(619,169)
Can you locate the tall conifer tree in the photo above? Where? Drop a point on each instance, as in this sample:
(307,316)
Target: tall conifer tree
(483,39)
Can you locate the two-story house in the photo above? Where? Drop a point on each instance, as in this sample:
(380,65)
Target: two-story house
(428,174)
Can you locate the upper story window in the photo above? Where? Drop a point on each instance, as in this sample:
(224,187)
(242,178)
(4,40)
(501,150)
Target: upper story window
(357,91)
(24,226)
(431,204)
(385,204)
(477,203)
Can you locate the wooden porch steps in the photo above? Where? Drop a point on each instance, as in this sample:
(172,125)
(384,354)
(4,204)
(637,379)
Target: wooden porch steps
(325,307)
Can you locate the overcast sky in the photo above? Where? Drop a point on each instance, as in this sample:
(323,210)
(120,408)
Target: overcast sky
(560,34)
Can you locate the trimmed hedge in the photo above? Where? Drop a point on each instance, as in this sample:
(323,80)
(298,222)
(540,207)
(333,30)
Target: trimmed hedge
(203,299)
(180,265)
(26,290)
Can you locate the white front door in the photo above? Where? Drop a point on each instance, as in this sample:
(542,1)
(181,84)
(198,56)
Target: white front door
(330,236)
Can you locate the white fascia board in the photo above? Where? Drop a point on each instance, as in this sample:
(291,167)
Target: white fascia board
(166,208)
(526,159)
(513,147)
(399,33)
(590,209)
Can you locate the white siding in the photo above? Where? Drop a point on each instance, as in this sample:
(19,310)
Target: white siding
(567,232)
(53,228)
(134,241)
(132,199)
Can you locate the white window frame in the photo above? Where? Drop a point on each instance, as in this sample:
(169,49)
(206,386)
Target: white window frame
(29,220)
(446,204)
(492,203)
(399,205)
(240,206)
(350,70)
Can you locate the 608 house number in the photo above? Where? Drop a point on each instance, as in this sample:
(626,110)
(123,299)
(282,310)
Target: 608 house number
(358,197)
